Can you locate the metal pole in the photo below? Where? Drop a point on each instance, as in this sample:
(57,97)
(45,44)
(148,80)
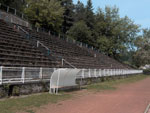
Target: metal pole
(95,73)
(22,16)
(82,73)
(89,73)
(37,43)
(99,72)
(62,62)
(41,73)
(58,81)
(23,74)
(15,11)
(7,9)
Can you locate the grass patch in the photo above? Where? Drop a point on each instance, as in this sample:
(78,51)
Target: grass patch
(112,84)
(27,103)
(34,101)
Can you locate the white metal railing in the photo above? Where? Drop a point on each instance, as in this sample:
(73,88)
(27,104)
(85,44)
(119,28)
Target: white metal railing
(39,43)
(88,73)
(24,74)
(65,61)
(29,74)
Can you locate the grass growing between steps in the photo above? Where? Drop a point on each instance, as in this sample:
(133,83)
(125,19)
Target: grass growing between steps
(27,103)
(112,84)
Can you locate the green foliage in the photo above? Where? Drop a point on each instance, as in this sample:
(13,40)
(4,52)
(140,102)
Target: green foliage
(115,34)
(68,15)
(17,4)
(80,32)
(16,91)
(105,29)
(89,15)
(45,13)
(79,12)
(146,71)
(143,49)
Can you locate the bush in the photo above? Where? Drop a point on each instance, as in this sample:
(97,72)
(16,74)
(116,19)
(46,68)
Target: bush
(146,71)
(16,91)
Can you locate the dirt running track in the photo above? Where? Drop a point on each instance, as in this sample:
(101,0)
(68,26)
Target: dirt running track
(130,98)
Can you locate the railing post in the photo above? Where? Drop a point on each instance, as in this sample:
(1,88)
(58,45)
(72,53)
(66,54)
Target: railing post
(62,62)
(1,75)
(37,29)
(81,44)
(15,12)
(23,74)
(89,73)
(48,52)
(82,73)
(49,32)
(95,73)
(104,72)
(41,73)
(99,72)
(37,43)
(67,39)
(22,16)
(7,9)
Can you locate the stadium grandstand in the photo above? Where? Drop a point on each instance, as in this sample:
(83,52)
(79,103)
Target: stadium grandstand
(28,55)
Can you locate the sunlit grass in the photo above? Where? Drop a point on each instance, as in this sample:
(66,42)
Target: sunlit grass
(27,103)
(112,84)
(34,101)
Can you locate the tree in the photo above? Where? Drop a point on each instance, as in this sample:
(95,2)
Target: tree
(115,34)
(17,4)
(143,49)
(68,15)
(80,32)
(89,15)
(45,13)
(79,12)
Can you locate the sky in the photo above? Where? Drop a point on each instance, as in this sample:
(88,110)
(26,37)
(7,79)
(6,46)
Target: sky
(136,10)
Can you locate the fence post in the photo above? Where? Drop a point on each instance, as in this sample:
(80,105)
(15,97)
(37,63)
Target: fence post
(41,73)
(95,73)
(62,62)
(49,32)
(22,16)
(104,72)
(82,73)
(37,43)
(58,81)
(7,9)
(99,72)
(15,11)
(1,74)
(81,44)
(89,73)
(23,74)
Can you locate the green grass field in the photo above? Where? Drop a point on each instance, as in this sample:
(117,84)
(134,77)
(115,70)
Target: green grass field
(12,105)
(27,103)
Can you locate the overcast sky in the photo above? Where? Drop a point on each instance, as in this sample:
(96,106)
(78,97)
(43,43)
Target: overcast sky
(137,10)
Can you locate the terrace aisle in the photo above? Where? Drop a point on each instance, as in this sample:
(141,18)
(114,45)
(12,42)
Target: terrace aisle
(130,98)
